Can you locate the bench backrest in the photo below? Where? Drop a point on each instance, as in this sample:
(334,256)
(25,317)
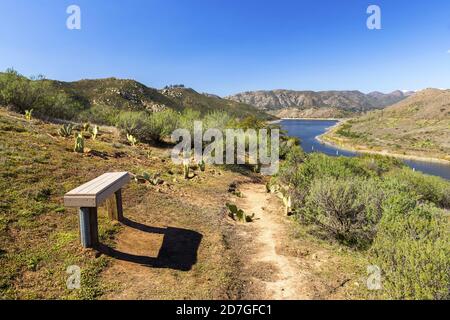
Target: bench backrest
(94,192)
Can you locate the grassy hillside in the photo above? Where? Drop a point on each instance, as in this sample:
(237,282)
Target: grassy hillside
(417,126)
(39,237)
(132,95)
(102,100)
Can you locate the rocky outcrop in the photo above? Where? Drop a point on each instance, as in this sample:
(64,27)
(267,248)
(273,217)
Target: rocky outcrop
(287,103)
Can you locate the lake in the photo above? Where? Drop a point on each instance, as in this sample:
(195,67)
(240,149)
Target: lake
(308,130)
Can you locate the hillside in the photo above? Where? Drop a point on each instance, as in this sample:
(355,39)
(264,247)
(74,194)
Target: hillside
(108,96)
(418,125)
(310,104)
(178,241)
(132,95)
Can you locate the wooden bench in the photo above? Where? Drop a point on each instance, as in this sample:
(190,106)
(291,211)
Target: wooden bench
(89,196)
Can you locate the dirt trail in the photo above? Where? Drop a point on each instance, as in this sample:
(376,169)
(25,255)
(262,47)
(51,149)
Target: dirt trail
(182,256)
(283,278)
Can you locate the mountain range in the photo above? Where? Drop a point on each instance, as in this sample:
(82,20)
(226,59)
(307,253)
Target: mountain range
(322,104)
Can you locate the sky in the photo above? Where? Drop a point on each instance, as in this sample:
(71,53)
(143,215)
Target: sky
(229,46)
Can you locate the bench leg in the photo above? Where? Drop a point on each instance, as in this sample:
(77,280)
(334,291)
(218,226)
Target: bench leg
(119,205)
(89,227)
(114,206)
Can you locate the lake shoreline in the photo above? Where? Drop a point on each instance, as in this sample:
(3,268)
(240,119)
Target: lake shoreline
(362,149)
(312,119)
(317,119)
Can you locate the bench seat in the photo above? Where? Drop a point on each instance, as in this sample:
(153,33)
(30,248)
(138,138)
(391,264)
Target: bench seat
(94,192)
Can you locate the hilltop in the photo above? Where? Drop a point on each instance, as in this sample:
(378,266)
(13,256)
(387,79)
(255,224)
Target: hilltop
(133,95)
(416,126)
(324,104)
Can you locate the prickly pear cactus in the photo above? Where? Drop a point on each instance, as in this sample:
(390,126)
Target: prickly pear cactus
(202,165)
(79,143)
(131,139)
(186,169)
(28,114)
(95,132)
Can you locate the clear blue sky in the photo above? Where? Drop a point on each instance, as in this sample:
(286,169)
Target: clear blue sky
(228,46)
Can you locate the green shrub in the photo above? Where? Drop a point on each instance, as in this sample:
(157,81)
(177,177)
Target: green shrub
(430,188)
(378,165)
(21,94)
(345,131)
(17,92)
(148,127)
(99,114)
(289,173)
(346,208)
(287,144)
(216,120)
(412,248)
(160,125)
(187,119)
(132,122)
(58,105)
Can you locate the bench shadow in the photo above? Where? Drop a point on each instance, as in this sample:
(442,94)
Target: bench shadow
(178,250)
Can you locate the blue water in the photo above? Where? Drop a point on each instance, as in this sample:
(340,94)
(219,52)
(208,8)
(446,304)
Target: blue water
(308,130)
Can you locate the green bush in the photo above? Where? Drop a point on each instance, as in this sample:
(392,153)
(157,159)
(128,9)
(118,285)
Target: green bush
(99,114)
(216,120)
(289,173)
(286,146)
(59,106)
(17,91)
(187,119)
(160,125)
(347,208)
(412,248)
(149,127)
(378,165)
(21,94)
(430,188)
(132,122)
(345,131)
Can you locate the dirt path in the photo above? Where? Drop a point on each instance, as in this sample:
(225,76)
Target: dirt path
(282,275)
(181,251)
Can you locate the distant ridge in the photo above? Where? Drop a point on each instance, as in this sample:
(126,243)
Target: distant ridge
(290,103)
